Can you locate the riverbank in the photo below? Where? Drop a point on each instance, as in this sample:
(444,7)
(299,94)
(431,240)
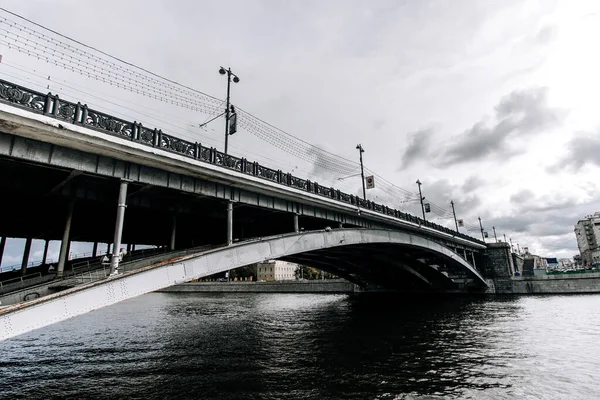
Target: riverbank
(312,286)
(549,284)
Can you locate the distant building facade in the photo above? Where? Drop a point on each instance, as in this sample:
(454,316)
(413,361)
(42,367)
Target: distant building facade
(587,232)
(275,270)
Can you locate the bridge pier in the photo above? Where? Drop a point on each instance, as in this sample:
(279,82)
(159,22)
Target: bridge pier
(498,262)
(114,260)
(26,252)
(64,245)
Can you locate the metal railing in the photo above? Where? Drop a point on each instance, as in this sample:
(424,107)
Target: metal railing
(79,114)
(19,282)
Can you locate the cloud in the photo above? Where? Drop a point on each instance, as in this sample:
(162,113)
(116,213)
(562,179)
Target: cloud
(581,150)
(521,113)
(522,196)
(472,183)
(546,222)
(418,147)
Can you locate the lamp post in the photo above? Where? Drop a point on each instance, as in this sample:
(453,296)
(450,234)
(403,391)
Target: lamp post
(421,199)
(362,171)
(481,226)
(495,237)
(454,213)
(236,79)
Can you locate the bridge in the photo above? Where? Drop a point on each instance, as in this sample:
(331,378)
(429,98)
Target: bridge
(68,170)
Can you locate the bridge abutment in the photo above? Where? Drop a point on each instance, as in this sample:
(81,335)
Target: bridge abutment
(497,261)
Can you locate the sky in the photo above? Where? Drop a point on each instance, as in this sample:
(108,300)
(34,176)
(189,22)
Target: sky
(490,104)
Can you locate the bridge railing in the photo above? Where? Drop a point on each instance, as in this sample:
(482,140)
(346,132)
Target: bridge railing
(79,114)
(19,282)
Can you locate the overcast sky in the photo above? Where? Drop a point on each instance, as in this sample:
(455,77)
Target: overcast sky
(492,104)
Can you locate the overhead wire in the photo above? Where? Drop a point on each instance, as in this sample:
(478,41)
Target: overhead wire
(127,76)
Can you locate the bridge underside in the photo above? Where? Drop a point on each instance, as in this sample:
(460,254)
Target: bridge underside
(391,266)
(36,198)
(390,258)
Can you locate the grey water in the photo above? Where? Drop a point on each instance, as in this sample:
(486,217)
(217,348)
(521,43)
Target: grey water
(313,346)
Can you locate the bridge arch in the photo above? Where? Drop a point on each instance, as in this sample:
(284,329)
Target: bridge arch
(24,317)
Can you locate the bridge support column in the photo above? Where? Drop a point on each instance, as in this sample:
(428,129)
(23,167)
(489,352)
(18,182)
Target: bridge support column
(26,252)
(64,244)
(173,232)
(45,255)
(95,250)
(229,222)
(465,254)
(473,258)
(2,245)
(107,248)
(133,247)
(114,260)
(296,223)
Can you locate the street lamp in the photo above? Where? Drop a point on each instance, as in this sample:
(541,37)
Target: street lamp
(362,172)
(421,198)
(236,79)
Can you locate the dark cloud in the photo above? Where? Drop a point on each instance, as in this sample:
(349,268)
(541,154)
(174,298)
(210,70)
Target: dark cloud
(472,183)
(522,196)
(521,113)
(582,149)
(548,222)
(418,147)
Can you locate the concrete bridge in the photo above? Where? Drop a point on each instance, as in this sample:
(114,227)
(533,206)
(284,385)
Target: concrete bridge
(69,169)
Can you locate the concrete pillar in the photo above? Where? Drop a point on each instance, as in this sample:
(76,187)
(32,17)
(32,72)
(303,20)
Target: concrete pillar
(473,258)
(341,225)
(296,223)
(45,255)
(107,248)
(95,249)
(114,260)
(173,232)
(229,222)
(64,244)
(465,254)
(26,256)
(128,248)
(2,245)
(133,247)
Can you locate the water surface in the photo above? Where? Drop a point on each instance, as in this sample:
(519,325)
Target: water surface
(305,346)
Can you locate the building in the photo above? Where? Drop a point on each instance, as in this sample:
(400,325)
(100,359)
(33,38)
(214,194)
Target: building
(587,232)
(276,270)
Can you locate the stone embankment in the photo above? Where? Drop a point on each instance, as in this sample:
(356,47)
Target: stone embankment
(312,286)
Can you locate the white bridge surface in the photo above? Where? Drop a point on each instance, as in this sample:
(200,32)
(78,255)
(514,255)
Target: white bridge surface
(25,317)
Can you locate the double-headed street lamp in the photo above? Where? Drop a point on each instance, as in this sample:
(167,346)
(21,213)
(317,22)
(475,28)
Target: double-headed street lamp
(228,109)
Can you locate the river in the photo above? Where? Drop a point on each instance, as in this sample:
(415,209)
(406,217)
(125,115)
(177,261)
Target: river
(313,346)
